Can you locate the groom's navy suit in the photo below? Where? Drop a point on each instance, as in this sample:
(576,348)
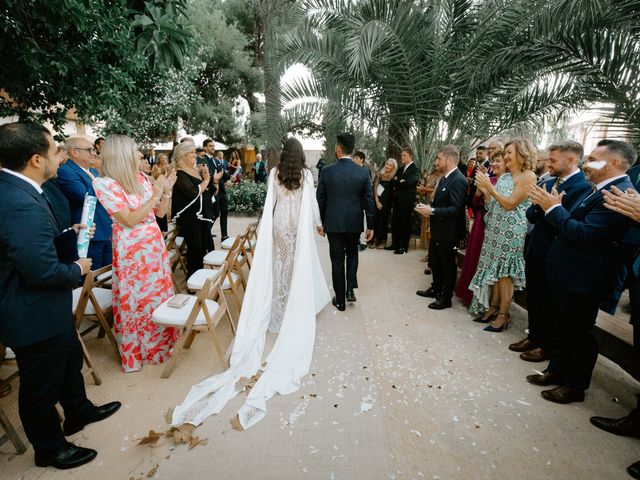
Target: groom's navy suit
(344,191)
(539,308)
(36,318)
(579,267)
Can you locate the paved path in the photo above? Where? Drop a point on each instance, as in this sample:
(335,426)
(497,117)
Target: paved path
(396,392)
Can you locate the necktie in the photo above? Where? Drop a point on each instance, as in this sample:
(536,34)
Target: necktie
(91,175)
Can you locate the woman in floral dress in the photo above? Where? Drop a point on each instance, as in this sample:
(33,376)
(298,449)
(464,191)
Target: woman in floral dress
(501,266)
(141,272)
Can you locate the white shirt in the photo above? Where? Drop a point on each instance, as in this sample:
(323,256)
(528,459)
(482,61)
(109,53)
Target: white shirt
(567,177)
(33,183)
(446,175)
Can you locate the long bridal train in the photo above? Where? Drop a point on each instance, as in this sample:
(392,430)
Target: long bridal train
(290,358)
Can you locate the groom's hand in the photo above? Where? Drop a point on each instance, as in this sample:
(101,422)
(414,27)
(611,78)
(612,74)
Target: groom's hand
(369,235)
(320,231)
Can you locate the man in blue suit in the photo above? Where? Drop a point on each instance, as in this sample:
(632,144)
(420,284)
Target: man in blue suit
(344,192)
(570,182)
(36,318)
(579,267)
(75,179)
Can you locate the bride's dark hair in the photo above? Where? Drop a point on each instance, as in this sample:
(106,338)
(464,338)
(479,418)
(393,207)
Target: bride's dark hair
(291,165)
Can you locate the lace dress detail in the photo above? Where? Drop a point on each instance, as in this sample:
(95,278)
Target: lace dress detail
(285,230)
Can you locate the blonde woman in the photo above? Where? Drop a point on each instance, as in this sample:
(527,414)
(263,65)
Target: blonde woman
(383,196)
(501,266)
(161,166)
(192,205)
(141,272)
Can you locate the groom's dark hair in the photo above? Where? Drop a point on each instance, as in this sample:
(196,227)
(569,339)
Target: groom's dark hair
(347,142)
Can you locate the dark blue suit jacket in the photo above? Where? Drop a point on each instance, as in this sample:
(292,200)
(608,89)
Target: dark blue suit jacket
(344,192)
(76,184)
(449,199)
(579,259)
(35,288)
(215,166)
(543,233)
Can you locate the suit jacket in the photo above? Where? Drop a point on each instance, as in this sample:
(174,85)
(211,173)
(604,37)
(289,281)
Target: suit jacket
(404,192)
(575,189)
(344,192)
(59,203)
(76,184)
(580,257)
(214,167)
(35,288)
(448,221)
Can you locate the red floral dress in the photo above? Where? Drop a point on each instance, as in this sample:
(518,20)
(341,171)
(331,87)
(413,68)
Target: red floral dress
(141,278)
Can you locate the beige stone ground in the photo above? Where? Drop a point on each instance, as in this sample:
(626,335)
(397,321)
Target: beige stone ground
(396,392)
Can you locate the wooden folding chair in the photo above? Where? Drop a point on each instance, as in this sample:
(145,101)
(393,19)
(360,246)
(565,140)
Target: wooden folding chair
(215,258)
(176,259)
(94,303)
(201,312)
(10,434)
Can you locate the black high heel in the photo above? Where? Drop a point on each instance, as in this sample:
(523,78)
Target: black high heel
(504,326)
(481,318)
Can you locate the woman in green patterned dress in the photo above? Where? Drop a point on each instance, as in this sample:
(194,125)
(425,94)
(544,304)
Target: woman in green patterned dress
(501,266)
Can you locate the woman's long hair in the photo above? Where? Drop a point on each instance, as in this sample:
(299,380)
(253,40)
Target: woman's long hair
(525,153)
(120,163)
(292,164)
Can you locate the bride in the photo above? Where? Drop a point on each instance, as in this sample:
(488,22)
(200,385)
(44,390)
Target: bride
(285,292)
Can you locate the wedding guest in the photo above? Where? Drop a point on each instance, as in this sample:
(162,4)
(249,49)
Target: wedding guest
(222,173)
(426,189)
(359,158)
(578,267)
(476,236)
(97,144)
(568,180)
(383,197)
(143,166)
(501,266)
(447,227)
(404,197)
(142,277)
(36,320)
(151,156)
(161,167)
(75,179)
(542,166)
(192,206)
(235,169)
(200,154)
(260,169)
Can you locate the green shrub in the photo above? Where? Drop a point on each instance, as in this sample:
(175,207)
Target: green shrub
(247,197)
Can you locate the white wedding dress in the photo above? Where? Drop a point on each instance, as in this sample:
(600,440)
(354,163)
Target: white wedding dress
(285,291)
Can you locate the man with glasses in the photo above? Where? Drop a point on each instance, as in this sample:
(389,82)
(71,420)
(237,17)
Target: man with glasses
(75,179)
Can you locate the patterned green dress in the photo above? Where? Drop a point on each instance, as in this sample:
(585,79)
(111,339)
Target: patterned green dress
(502,253)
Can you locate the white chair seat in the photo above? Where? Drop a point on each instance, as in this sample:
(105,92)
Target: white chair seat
(226,285)
(104,276)
(179,241)
(215,257)
(104,296)
(166,315)
(196,281)
(228,243)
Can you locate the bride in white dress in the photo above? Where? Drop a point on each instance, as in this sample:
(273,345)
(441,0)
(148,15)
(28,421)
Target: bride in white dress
(285,292)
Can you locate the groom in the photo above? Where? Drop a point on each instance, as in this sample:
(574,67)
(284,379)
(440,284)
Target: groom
(344,191)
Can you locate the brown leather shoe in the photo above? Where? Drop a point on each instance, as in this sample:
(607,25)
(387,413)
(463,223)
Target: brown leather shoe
(535,355)
(522,346)
(5,388)
(544,379)
(563,395)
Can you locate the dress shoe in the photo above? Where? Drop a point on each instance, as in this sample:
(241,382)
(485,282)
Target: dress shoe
(440,304)
(625,427)
(544,379)
(391,247)
(69,456)
(535,355)
(351,297)
(429,293)
(634,470)
(342,308)
(500,323)
(523,345)
(563,395)
(483,319)
(362,246)
(5,388)
(400,251)
(99,414)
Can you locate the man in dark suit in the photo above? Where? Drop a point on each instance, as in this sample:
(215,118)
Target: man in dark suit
(579,268)
(75,179)
(344,192)
(404,185)
(36,318)
(571,183)
(447,227)
(219,176)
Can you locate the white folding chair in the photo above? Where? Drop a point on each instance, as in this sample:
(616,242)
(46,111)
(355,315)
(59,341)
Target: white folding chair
(202,312)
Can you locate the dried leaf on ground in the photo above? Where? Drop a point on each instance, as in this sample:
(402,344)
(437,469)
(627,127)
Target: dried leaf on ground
(151,439)
(168,416)
(195,441)
(152,472)
(247,384)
